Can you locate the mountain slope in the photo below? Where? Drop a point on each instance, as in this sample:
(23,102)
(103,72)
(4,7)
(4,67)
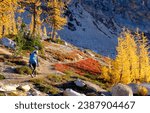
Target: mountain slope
(96,24)
(84,31)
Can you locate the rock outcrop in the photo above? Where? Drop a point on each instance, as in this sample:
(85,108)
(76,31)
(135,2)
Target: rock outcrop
(121,90)
(70,92)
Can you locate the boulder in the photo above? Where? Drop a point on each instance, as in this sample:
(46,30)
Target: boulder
(79,83)
(89,53)
(9,87)
(94,87)
(8,43)
(70,92)
(66,44)
(34,92)
(134,87)
(24,87)
(106,93)
(1,89)
(121,90)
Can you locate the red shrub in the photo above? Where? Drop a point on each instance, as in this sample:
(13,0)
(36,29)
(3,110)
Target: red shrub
(82,67)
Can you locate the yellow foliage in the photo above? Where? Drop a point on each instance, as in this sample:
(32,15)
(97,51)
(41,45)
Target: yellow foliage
(105,73)
(142,91)
(7,17)
(132,62)
(55,18)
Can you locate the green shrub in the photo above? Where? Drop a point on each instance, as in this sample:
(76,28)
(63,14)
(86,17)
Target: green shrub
(31,42)
(19,62)
(2,77)
(2,94)
(25,41)
(42,85)
(23,70)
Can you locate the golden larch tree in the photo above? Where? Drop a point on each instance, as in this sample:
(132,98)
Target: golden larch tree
(55,16)
(34,7)
(7,17)
(144,60)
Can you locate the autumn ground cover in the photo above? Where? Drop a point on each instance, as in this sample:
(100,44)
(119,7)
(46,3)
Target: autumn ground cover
(82,67)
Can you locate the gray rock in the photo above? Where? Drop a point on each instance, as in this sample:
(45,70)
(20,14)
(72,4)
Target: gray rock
(134,87)
(121,90)
(24,87)
(106,93)
(11,87)
(94,87)
(70,92)
(34,92)
(89,53)
(79,83)
(8,43)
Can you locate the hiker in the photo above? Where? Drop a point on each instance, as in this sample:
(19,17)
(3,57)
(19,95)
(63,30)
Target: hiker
(33,62)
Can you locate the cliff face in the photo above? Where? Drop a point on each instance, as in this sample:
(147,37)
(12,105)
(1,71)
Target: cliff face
(129,13)
(96,24)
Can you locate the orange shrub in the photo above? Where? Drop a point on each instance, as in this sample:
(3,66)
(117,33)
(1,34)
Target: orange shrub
(82,67)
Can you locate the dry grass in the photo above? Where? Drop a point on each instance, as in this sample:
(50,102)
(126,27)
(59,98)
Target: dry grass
(62,56)
(23,70)
(2,77)
(45,85)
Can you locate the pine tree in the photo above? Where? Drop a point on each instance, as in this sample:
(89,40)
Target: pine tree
(55,18)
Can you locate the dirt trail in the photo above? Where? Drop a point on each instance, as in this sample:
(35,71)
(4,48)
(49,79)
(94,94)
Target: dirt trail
(44,69)
(4,51)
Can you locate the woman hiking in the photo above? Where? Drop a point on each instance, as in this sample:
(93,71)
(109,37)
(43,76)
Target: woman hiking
(33,62)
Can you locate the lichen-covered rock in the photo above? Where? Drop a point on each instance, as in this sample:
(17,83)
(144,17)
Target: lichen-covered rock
(121,90)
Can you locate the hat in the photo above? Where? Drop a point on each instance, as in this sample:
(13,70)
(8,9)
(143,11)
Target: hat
(35,51)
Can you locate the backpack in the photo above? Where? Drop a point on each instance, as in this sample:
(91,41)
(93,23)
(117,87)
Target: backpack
(33,58)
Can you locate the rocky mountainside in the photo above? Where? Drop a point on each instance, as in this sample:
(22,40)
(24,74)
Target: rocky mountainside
(96,24)
(60,72)
(64,70)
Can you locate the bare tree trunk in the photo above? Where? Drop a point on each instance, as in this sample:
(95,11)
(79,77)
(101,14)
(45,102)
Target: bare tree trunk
(3,27)
(3,30)
(53,34)
(34,20)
